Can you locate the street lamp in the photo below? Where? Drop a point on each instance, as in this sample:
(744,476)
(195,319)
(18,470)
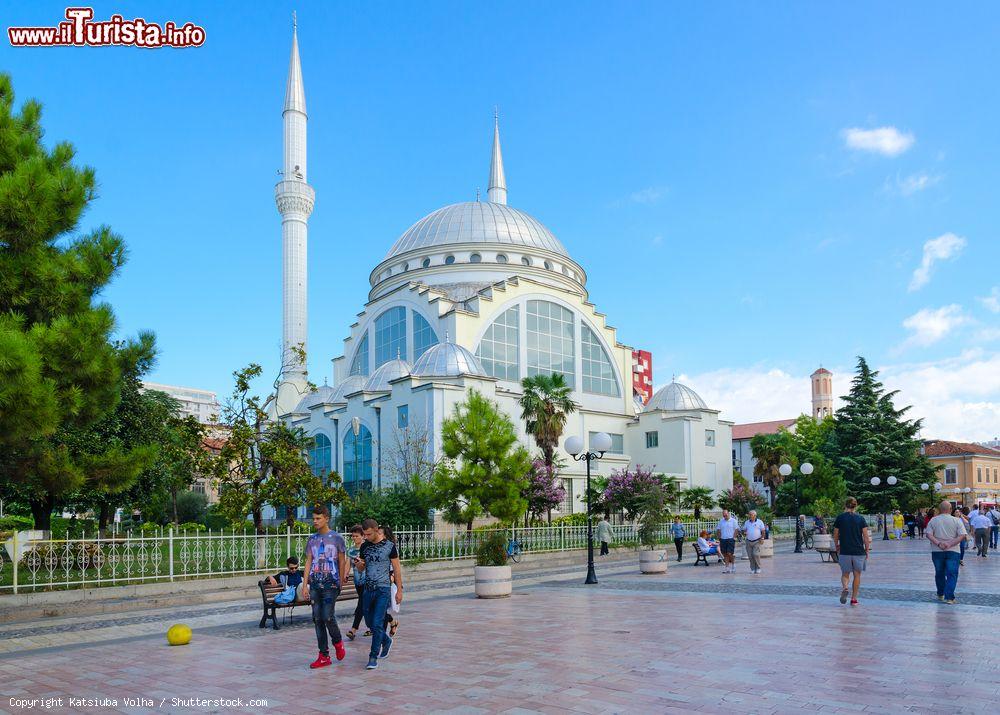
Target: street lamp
(599,444)
(891,481)
(785,470)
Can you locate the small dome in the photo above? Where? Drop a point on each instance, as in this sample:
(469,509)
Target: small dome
(351,385)
(321,395)
(447,360)
(676,397)
(392,370)
(477,222)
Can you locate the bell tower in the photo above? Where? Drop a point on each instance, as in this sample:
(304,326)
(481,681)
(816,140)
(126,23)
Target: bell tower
(822,394)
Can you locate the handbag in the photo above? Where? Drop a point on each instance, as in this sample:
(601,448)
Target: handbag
(392,599)
(285,597)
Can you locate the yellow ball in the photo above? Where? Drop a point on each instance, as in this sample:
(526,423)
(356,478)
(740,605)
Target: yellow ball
(179,634)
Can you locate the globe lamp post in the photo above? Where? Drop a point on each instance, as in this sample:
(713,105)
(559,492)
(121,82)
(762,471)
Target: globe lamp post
(599,444)
(785,470)
(891,481)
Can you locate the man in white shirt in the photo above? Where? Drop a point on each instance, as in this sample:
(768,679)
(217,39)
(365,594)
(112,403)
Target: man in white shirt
(753,530)
(946,533)
(994,516)
(981,524)
(727,528)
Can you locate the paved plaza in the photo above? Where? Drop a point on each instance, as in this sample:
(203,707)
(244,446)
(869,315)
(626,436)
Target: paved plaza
(694,640)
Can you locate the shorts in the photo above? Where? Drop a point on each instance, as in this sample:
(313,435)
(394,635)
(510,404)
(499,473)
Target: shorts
(850,562)
(728,546)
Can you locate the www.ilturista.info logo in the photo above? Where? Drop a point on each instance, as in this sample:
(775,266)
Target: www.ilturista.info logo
(81,31)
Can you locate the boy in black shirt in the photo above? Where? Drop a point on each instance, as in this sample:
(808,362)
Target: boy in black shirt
(291,575)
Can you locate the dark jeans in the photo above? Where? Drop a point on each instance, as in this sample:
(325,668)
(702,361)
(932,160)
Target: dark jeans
(994,533)
(359,609)
(679,545)
(982,541)
(961,556)
(376,604)
(324,591)
(946,572)
(604,548)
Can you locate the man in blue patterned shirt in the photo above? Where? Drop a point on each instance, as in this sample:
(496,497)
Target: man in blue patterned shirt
(325,562)
(379,561)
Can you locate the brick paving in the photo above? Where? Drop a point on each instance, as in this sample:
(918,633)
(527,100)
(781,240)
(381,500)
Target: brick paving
(694,640)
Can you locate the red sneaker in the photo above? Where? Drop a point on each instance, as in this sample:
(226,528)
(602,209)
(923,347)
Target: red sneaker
(339,650)
(321,661)
(854,602)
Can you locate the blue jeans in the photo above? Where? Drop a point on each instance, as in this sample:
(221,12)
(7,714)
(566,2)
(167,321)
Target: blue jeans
(376,604)
(961,556)
(946,572)
(323,591)
(994,532)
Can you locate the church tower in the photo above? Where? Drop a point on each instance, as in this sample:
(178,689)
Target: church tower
(295,199)
(822,393)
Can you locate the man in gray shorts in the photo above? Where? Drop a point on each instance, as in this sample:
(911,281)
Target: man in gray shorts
(852,542)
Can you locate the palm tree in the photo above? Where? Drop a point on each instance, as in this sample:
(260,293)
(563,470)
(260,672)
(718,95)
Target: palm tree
(697,498)
(546,403)
(771,451)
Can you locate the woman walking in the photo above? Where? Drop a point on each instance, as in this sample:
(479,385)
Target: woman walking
(677,529)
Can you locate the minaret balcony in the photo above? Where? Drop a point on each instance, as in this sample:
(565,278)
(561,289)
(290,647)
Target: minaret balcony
(294,197)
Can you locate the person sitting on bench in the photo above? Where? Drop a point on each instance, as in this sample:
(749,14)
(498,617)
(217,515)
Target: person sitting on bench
(708,546)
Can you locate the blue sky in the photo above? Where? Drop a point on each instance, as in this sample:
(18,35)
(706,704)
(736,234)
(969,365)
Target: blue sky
(751,188)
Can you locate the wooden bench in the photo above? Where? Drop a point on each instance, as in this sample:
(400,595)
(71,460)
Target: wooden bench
(703,557)
(828,553)
(268,592)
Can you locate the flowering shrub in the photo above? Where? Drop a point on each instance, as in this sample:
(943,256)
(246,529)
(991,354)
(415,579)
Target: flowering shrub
(544,491)
(627,488)
(740,500)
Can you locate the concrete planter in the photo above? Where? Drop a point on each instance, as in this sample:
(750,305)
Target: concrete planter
(493,581)
(822,541)
(767,548)
(653,561)
(23,539)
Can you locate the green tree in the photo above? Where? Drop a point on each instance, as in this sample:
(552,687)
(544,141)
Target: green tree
(264,462)
(654,509)
(697,498)
(59,372)
(485,470)
(190,507)
(770,451)
(546,402)
(871,438)
(402,505)
(812,443)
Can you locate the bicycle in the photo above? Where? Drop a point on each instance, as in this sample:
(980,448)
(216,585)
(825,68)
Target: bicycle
(807,538)
(514,550)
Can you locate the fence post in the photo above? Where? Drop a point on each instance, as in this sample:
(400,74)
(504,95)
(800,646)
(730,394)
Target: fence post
(170,552)
(288,543)
(454,541)
(15,559)
(562,533)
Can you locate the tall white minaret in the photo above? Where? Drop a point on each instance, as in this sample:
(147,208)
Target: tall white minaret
(295,199)
(497,192)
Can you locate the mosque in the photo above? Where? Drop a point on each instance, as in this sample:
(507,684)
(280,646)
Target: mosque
(475,295)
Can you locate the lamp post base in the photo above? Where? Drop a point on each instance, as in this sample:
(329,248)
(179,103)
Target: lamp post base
(591,575)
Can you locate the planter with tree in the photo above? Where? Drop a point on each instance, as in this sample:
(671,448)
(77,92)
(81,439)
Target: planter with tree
(654,508)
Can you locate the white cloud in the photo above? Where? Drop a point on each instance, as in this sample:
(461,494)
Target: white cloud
(942,248)
(929,326)
(958,398)
(909,185)
(649,195)
(887,141)
(657,240)
(992,301)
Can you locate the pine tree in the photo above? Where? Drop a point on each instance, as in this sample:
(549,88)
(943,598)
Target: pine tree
(59,372)
(871,438)
(486,471)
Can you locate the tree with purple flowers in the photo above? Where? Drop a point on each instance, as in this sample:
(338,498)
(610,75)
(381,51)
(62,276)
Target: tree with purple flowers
(627,489)
(544,491)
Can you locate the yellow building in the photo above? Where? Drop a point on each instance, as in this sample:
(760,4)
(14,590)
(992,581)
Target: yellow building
(966,466)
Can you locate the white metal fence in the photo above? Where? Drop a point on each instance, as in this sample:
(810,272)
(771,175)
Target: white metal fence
(168,555)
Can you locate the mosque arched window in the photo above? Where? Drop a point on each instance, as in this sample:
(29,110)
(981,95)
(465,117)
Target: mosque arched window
(525,260)
(357,460)
(423,335)
(426,263)
(501,258)
(548,266)
(550,334)
(359,366)
(390,335)
(321,456)
(498,350)
(598,374)
(448,260)
(475,258)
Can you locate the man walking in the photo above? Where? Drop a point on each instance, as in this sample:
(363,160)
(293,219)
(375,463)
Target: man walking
(753,530)
(677,530)
(981,524)
(325,565)
(852,542)
(604,534)
(378,556)
(727,528)
(994,516)
(946,532)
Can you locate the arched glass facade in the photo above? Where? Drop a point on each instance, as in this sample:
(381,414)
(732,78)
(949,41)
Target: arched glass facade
(423,335)
(598,374)
(357,460)
(359,366)
(321,456)
(498,351)
(550,337)
(390,336)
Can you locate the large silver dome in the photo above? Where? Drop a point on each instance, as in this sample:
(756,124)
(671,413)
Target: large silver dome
(352,384)
(447,360)
(477,222)
(322,394)
(676,398)
(392,370)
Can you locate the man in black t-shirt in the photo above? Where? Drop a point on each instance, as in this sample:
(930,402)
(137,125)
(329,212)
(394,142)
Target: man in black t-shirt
(853,543)
(378,558)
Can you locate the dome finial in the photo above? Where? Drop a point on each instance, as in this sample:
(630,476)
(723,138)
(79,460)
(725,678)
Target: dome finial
(477,194)
(295,21)
(497,190)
